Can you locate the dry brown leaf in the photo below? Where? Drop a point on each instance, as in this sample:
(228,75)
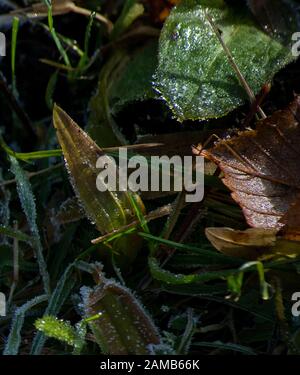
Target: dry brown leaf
(160,9)
(261,167)
(249,244)
(252,244)
(291,222)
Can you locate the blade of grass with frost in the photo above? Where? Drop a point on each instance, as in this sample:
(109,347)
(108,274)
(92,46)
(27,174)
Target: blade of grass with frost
(108,210)
(28,204)
(190,330)
(168,277)
(225,346)
(14,337)
(4,204)
(57,299)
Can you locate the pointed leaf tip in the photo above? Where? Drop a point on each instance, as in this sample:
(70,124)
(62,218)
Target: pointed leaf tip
(109,210)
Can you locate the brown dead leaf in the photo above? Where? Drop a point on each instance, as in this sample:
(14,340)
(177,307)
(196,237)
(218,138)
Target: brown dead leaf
(252,244)
(249,244)
(160,9)
(261,167)
(291,222)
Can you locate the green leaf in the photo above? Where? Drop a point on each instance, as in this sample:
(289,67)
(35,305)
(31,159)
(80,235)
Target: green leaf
(101,124)
(119,322)
(168,277)
(109,210)
(130,12)
(179,279)
(63,331)
(58,329)
(135,81)
(125,78)
(194,75)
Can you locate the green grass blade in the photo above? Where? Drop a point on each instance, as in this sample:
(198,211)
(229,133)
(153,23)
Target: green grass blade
(207,255)
(15,28)
(28,204)
(27,156)
(14,337)
(50,90)
(131,11)
(17,234)
(85,58)
(179,279)
(226,346)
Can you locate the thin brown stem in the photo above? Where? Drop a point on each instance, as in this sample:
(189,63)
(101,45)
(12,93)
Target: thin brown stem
(156,214)
(233,64)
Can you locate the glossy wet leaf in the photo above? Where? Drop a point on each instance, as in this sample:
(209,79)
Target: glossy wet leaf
(194,75)
(261,167)
(108,210)
(58,329)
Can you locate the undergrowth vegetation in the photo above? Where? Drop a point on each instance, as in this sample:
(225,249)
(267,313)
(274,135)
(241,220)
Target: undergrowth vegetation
(99,272)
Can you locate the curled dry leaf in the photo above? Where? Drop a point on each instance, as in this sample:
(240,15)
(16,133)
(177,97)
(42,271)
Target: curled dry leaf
(252,244)
(249,244)
(261,167)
